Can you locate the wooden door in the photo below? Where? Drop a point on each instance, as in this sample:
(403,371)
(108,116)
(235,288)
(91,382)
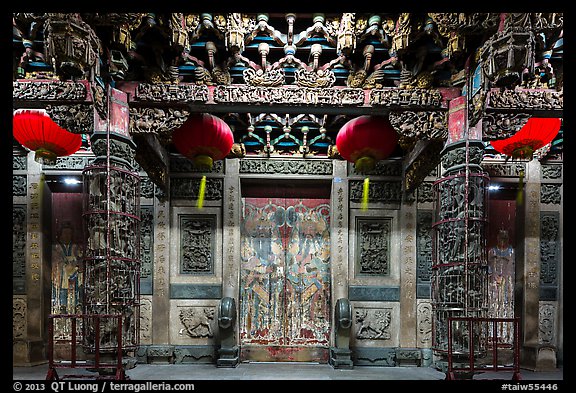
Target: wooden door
(285,279)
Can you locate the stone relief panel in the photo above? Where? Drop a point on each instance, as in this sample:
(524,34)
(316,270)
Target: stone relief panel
(197,244)
(146,187)
(373,247)
(549,254)
(70,162)
(495,169)
(552,171)
(406,98)
(188,188)
(194,254)
(425,192)
(180,164)
(50,90)
(286,167)
(197,321)
(19,163)
(19,185)
(424,324)
(193,322)
(19,324)
(423,254)
(375,324)
(145,320)
(379,191)
(547,323)
(372,324)
(19,249)
(550,194)
(372,254)
(158,92)
(529,99)
(288,95)
(382,168)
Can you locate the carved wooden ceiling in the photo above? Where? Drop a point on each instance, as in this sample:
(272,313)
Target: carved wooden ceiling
(290,81)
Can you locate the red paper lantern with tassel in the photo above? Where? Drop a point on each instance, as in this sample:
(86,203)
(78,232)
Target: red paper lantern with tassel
(35,130)
(203,138)
(536,133)
(364,141)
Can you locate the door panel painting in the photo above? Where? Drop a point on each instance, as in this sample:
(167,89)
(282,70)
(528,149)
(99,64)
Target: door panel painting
(285,272)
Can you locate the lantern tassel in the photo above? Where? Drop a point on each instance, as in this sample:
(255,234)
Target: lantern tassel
(520,194)
(365,191)
(200,202)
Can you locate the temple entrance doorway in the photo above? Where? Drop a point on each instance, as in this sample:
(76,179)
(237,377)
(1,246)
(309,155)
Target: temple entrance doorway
(285,273)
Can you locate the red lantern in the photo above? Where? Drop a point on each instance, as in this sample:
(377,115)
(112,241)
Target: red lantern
(34,129)
(203,138)
(366,140)
(536,133)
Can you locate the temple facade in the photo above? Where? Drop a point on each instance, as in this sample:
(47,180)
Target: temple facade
(293,255)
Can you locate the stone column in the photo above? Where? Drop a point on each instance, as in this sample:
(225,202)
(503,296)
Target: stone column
(339,231)
(408,354)
(339,357)
(160,350)
(529,268)
(231,230)
(30,349)
(231,257)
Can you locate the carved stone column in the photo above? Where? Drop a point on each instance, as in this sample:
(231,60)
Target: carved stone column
(459,265)
(111,214)
(33,309)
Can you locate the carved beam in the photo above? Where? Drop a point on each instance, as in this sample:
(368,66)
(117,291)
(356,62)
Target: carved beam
(27,91)
(75,118)
(507,111)
(171,93)
(71,104)
(158,121)
(406,98)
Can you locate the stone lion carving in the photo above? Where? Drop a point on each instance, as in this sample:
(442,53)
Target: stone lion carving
(197,321)
(373,324)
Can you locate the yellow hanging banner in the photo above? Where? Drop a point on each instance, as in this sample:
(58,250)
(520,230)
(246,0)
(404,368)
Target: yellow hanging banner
(365,191)
(201,192)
